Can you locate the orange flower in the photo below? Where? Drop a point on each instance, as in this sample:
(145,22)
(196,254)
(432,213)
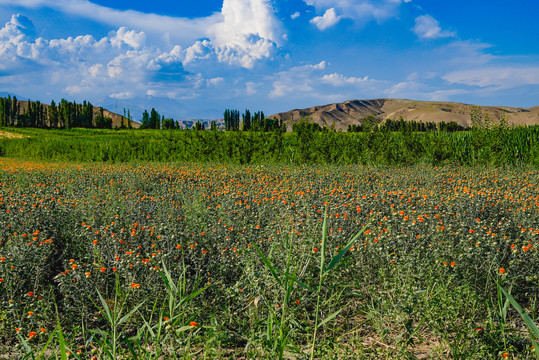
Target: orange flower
(452,263)
(74,266)
(501,271)
(30,293)
(192,323)
(135,286)
(102,269)
(31,334)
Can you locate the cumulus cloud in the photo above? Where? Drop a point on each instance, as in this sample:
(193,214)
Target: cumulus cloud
(83,64)
(428,28)
(18,29)
(200,50)
(131,38)
(295,15)
(183,30)
(327,20)
(250,31)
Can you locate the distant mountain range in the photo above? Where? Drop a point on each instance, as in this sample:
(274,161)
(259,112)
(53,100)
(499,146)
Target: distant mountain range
(354,111)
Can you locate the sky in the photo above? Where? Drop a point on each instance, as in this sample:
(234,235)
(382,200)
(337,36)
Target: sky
(194,59)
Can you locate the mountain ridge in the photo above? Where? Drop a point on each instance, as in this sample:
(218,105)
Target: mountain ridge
(353,112)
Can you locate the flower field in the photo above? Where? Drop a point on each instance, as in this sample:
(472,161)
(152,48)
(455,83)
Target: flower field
(213,261)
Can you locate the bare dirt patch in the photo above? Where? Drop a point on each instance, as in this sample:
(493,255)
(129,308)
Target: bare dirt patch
(5,134)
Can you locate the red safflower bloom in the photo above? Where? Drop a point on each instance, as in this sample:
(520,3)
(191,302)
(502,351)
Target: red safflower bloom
(501,271)
(193,324)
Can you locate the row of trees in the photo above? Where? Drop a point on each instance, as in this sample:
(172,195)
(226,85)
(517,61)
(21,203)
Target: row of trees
(372,123)
(65,115)
(251,122)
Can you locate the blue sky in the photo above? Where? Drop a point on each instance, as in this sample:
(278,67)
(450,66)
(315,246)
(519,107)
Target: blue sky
(193,59)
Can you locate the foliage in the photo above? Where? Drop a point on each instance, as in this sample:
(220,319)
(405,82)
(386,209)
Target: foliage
(222,261)
(496,147)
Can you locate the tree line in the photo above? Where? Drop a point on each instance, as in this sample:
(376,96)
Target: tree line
(64,115)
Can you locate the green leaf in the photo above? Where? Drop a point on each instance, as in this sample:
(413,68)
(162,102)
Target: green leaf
(47,344)
(184,328)
(344,250)
(330,317)
(127,316)
(532,328)
(270,267)
(26,346)
(293,278)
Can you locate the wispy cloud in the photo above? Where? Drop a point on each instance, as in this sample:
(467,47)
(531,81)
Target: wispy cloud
(360,9)
(502,77)
(428,28)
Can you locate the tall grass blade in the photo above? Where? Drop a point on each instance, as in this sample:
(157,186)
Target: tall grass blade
(532,328)
(337,258)
(268,264)
(128,315)
(330,317)
(293,278)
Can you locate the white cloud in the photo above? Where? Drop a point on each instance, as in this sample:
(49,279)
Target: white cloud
(215,81)
(18,29)
(198,51)
(427,27)
(249,32)
(123,95)
(329,19)
(182,30)
(360,9)
(251,88)
(502,77)
(296,80)
(295,15)
(336,79)
(133,39)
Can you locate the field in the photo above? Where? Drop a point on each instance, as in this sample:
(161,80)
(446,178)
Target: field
(266,261)
(495,147)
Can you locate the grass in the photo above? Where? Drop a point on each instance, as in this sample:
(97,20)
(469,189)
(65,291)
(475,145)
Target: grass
(203,261)
(496,147)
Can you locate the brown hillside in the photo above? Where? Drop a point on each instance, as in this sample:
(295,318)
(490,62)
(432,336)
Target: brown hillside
(353,112)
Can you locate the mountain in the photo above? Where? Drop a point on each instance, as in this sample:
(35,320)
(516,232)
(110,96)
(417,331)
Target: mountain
(353,112)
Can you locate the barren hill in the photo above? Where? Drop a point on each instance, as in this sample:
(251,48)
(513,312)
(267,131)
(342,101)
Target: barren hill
(354,111)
